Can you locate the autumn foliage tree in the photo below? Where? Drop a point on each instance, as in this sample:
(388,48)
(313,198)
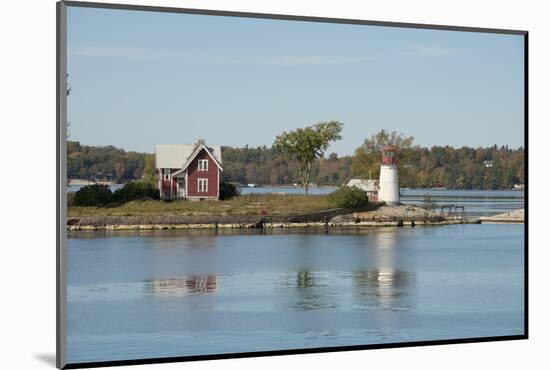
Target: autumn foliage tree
(366,162)
(306,145)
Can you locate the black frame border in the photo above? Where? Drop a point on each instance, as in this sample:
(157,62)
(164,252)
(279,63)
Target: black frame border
(61,103)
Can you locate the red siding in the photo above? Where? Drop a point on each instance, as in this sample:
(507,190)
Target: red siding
(166,188)
(166,185)
(193,174)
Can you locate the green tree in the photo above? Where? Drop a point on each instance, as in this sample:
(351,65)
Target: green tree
(149,170)
(305,145)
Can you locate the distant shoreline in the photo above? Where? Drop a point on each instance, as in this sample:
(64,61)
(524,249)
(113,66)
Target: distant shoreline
(82,182)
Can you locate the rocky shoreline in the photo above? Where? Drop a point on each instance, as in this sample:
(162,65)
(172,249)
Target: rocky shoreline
(374,216)
(516,217)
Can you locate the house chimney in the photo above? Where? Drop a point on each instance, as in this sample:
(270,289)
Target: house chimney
(200,142)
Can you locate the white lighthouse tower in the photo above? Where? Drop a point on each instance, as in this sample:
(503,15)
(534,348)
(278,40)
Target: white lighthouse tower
(389,183)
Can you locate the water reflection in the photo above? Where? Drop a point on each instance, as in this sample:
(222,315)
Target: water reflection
(304,279)
(312,292)
(182,286)
(385,289)
(162,294)
(206,241)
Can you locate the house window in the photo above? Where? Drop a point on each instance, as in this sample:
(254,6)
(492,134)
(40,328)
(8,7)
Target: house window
(203,164)
(203,185)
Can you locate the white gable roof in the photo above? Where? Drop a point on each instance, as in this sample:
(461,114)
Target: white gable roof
(176,155)
(366,185)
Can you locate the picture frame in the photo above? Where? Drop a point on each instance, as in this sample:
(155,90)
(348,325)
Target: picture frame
(62,217)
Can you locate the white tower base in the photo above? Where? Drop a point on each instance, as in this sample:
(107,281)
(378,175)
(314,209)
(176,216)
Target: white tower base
(389,184)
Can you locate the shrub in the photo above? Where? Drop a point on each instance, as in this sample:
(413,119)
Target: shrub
(228,191)
(136,190)
(93,195)
(349,197)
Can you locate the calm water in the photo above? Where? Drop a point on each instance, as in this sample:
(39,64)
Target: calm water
(476,202)
(177,293)
(75,188)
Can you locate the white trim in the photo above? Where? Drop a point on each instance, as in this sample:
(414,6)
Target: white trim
(202,196)
(205,162)
(197,151)
(205,182)
(175,155)
(180,188)
(186,164)
(160,183)
(171,185)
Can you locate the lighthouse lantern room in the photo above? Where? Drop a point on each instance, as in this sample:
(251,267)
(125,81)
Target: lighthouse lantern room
(389,183)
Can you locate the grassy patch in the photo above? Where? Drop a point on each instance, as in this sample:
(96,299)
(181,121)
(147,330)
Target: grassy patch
(252,204)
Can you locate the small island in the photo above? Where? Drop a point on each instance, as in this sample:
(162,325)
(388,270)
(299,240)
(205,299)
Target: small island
(251,211)
(192,186)
(190,195)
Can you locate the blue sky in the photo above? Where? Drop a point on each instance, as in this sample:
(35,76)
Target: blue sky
(142,78)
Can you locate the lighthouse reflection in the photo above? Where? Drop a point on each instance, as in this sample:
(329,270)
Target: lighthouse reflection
(377,280)
(385,286)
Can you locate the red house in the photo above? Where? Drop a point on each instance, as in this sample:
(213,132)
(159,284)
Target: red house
(189,171)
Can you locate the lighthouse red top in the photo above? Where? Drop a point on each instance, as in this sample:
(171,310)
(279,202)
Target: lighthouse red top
(388,155)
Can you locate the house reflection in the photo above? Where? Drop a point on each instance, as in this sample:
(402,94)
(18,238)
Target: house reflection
(183,286)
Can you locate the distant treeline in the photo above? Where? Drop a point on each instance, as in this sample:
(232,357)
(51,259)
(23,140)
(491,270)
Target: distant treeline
(461,168)
(456,168)
(268,166)
(107,163)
